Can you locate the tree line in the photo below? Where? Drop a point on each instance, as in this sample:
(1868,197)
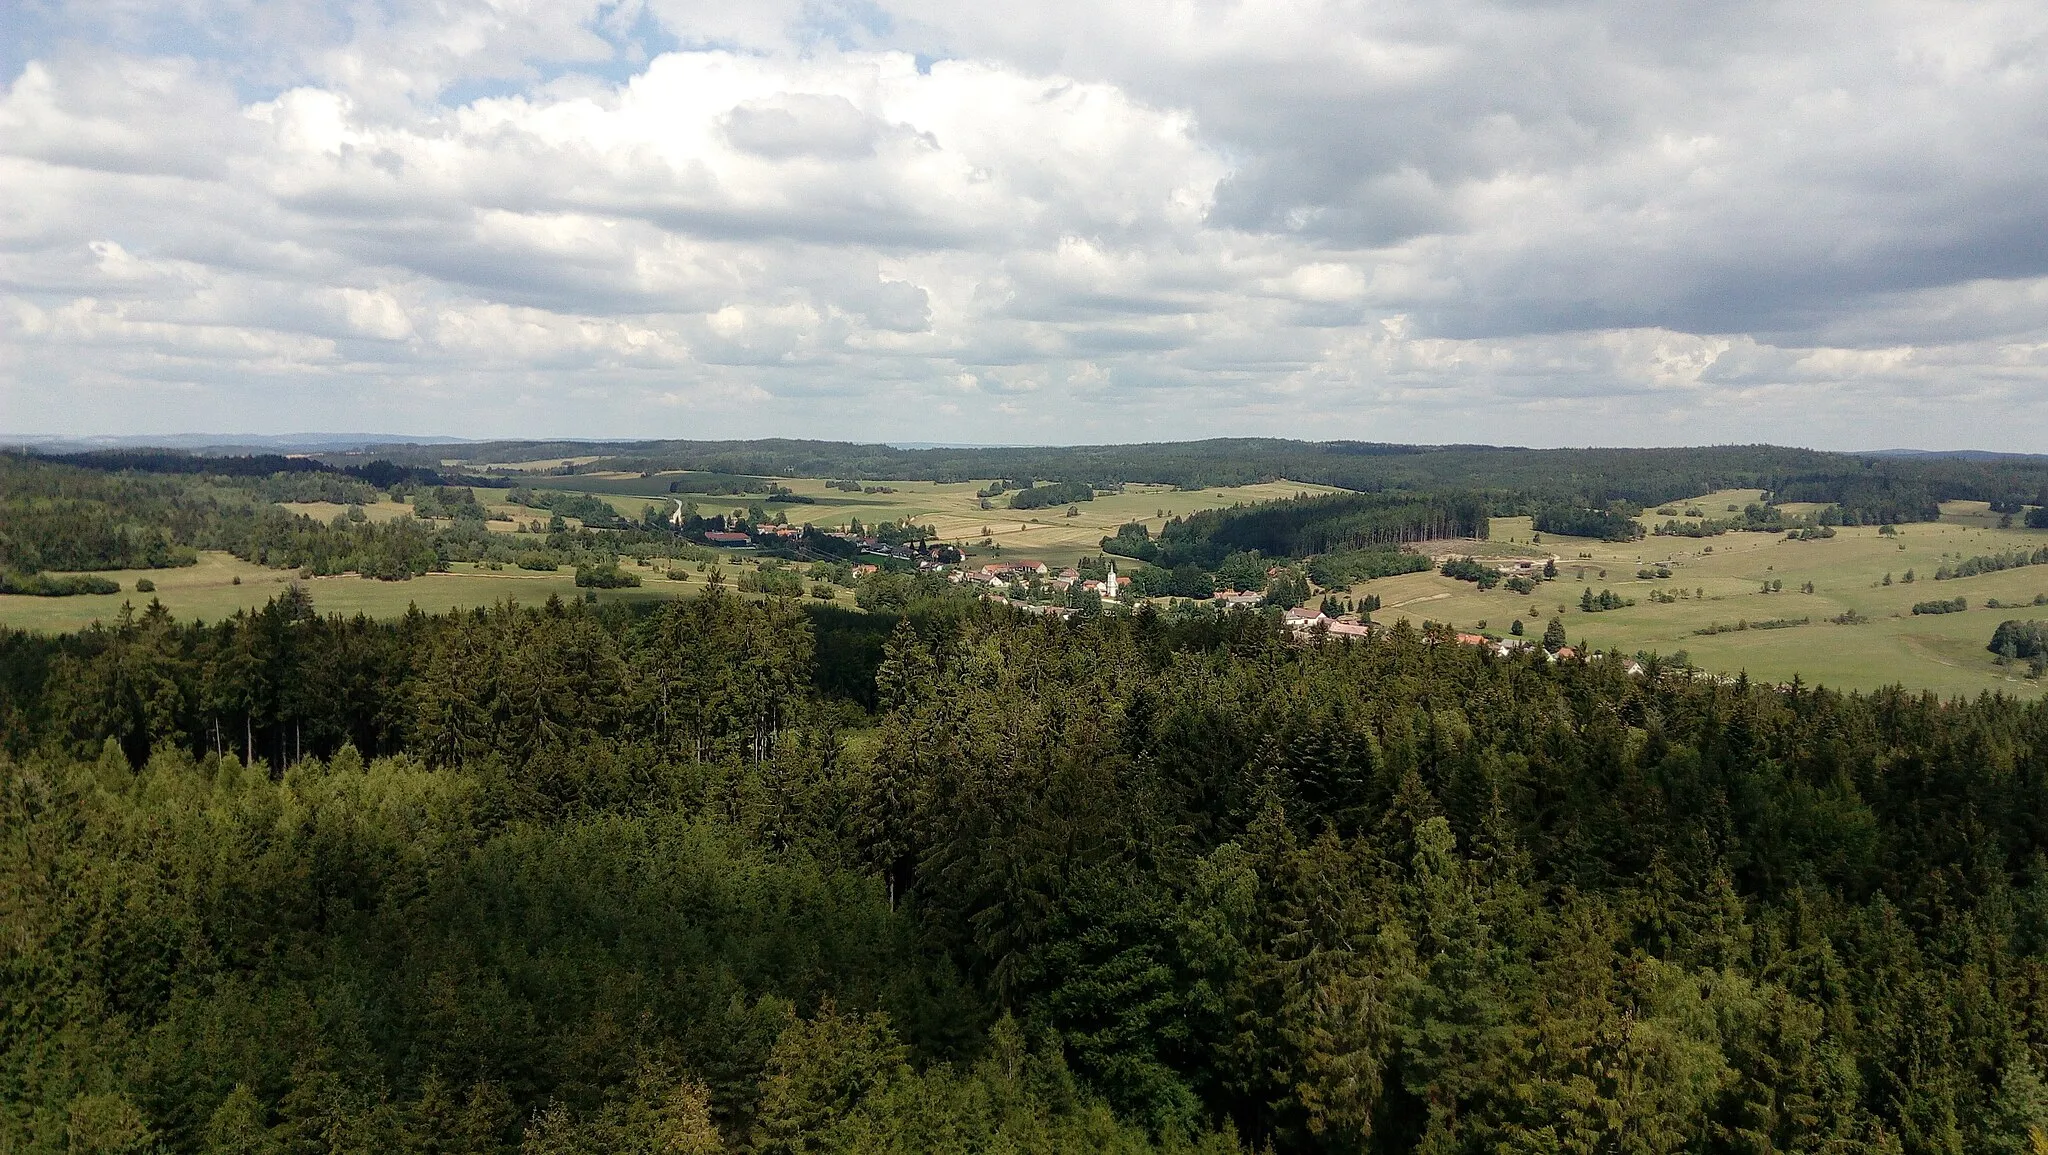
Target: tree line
(1870,488)
(1303,526)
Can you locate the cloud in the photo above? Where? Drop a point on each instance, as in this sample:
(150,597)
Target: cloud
(1474,220)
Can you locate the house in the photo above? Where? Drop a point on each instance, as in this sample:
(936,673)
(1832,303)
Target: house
(1471,640)
(1342,629)
(1304,618)
(727,539)
(866,568)
(1232,599)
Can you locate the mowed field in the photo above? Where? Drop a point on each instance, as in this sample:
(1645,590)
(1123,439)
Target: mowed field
(953,510)
(393,510)
(1722,578)
(208,592)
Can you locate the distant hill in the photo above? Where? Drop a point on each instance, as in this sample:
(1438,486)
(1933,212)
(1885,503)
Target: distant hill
(1957,454)
(222,443)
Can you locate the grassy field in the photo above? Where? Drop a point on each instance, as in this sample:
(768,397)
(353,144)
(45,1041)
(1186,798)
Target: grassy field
(952,509)
(208,592)
(393,510)
(1722,578)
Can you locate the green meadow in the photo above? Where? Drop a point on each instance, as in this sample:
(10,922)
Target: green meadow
(209,592)
(950,508)
(1722,579)
(1715,582)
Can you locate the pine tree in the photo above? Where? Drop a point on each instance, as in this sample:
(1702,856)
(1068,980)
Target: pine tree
(2020,1110)
(1553,635)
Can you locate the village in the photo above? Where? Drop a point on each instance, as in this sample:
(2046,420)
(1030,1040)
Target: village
(1033,586)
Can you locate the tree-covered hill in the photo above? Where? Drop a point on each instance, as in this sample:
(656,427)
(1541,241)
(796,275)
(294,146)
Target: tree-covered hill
(727,875)
(1875,487)
(1305,526)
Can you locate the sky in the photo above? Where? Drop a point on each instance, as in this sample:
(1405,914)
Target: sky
(1534,222)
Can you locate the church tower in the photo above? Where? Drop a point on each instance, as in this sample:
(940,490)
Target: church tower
(1109,586)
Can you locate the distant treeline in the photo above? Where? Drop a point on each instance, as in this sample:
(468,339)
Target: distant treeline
(1052,493)
(594,511)
(1992,563)
(1870,489)
(66,518)
(1300,527)
(57,518)
(379,473)
(1616,523)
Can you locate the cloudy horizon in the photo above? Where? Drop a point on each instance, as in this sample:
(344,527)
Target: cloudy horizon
(1559,224)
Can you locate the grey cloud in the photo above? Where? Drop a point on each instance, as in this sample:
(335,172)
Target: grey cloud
(157,118)
(1854,151)
(1465,221)
(802,125)
(898,306)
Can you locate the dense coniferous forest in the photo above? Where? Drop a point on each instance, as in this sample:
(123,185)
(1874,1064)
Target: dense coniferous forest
(733,875)
(1303,526)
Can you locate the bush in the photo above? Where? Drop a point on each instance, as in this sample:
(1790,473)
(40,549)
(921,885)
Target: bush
(43,585)
(145,586)
(1057,493)
(605,577)
(1949,606)
(1740,626)
(2020,639)
(774,579)
(1467,569)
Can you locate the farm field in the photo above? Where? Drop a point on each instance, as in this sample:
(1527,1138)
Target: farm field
(395,510)
(207,592)
(1723,577)
(329,510)
(953,510)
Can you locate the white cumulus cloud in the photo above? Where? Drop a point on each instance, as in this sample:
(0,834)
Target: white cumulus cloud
(1566,223)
